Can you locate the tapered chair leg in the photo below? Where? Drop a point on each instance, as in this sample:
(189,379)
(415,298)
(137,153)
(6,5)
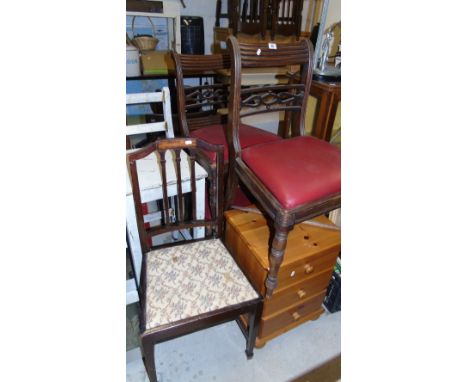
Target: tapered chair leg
(254,322)
(148,354)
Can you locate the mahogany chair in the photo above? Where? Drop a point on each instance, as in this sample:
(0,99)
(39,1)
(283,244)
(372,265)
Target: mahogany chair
(286,18)
(293,179)
(252,17)
(188,285)
(198,105)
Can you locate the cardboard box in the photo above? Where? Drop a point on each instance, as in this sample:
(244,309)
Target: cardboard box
(157,62)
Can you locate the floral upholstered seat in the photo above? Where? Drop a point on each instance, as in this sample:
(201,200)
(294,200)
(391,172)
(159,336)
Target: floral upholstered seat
(192,279)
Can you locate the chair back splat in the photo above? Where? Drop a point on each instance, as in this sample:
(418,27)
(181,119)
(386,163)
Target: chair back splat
(290,98)
(198,105)
(164,151)
(202,110)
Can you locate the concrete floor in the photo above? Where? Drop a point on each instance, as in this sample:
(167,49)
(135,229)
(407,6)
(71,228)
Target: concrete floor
(217,354)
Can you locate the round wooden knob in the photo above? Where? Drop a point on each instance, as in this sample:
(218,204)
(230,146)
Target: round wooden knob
(308,268)
(301,293)
(296,316)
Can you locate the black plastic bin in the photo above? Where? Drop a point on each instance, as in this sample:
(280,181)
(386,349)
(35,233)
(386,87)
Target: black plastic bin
(192,35)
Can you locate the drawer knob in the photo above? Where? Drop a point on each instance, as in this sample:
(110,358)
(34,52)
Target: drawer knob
(296,316)
(308,268)
(301,293)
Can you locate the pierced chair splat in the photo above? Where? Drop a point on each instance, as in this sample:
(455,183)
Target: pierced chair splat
(189,285)
(199,106)
(293,179)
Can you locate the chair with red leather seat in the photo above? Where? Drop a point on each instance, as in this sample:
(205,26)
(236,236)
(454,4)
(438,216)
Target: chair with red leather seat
(199,106)
(293,179)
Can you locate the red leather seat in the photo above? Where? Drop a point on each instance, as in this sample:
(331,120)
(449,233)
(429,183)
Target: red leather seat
(248,135)
(297,170)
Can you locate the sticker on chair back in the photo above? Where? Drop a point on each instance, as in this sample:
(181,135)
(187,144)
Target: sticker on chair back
(272,45)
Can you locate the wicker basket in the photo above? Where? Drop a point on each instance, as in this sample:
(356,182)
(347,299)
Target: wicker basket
(144,42)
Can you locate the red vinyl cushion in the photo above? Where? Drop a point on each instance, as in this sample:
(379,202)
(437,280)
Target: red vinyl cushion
(248,136)
(297,170)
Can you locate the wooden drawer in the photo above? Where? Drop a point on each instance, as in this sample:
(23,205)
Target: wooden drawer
(293,273)
(294,294)
(309,249)
(294,315)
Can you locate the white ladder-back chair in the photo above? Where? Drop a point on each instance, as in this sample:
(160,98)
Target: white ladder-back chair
(152,127)
(149,173)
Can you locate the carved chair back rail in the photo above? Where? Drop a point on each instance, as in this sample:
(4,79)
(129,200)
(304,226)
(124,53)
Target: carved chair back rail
(198,105)
(288,97)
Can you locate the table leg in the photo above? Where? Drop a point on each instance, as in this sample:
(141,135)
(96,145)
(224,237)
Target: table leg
(321,117)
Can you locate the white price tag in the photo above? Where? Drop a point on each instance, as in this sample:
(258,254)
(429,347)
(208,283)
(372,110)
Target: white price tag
(272,45)
(259,52)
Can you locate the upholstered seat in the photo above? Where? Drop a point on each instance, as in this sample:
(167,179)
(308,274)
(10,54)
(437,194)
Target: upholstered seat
(312,169)
(249,136)
(192,279)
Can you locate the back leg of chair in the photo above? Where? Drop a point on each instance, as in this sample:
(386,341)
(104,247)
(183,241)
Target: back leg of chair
(254,322)
(148,354)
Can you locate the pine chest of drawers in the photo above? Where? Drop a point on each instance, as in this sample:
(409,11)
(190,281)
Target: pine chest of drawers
(302,278)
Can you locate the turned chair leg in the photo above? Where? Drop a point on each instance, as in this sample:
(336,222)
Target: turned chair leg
(254,321)
(276,256)
(148,354)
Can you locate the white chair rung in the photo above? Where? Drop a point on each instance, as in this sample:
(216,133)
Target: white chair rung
(146,128)
(135,98)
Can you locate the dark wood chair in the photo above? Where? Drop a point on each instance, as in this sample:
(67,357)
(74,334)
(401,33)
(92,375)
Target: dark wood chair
(199,106)
(188,285)
(286,18)
(253,17)
(245,16)
(293,179)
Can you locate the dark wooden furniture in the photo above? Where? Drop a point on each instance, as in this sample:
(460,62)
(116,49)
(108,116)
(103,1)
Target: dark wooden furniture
(198,105)
(286,18)
(198,108)
(247,16)
(303,276)
(170,77)
(293,179)
(328,96)
(266,18)
(188,285)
